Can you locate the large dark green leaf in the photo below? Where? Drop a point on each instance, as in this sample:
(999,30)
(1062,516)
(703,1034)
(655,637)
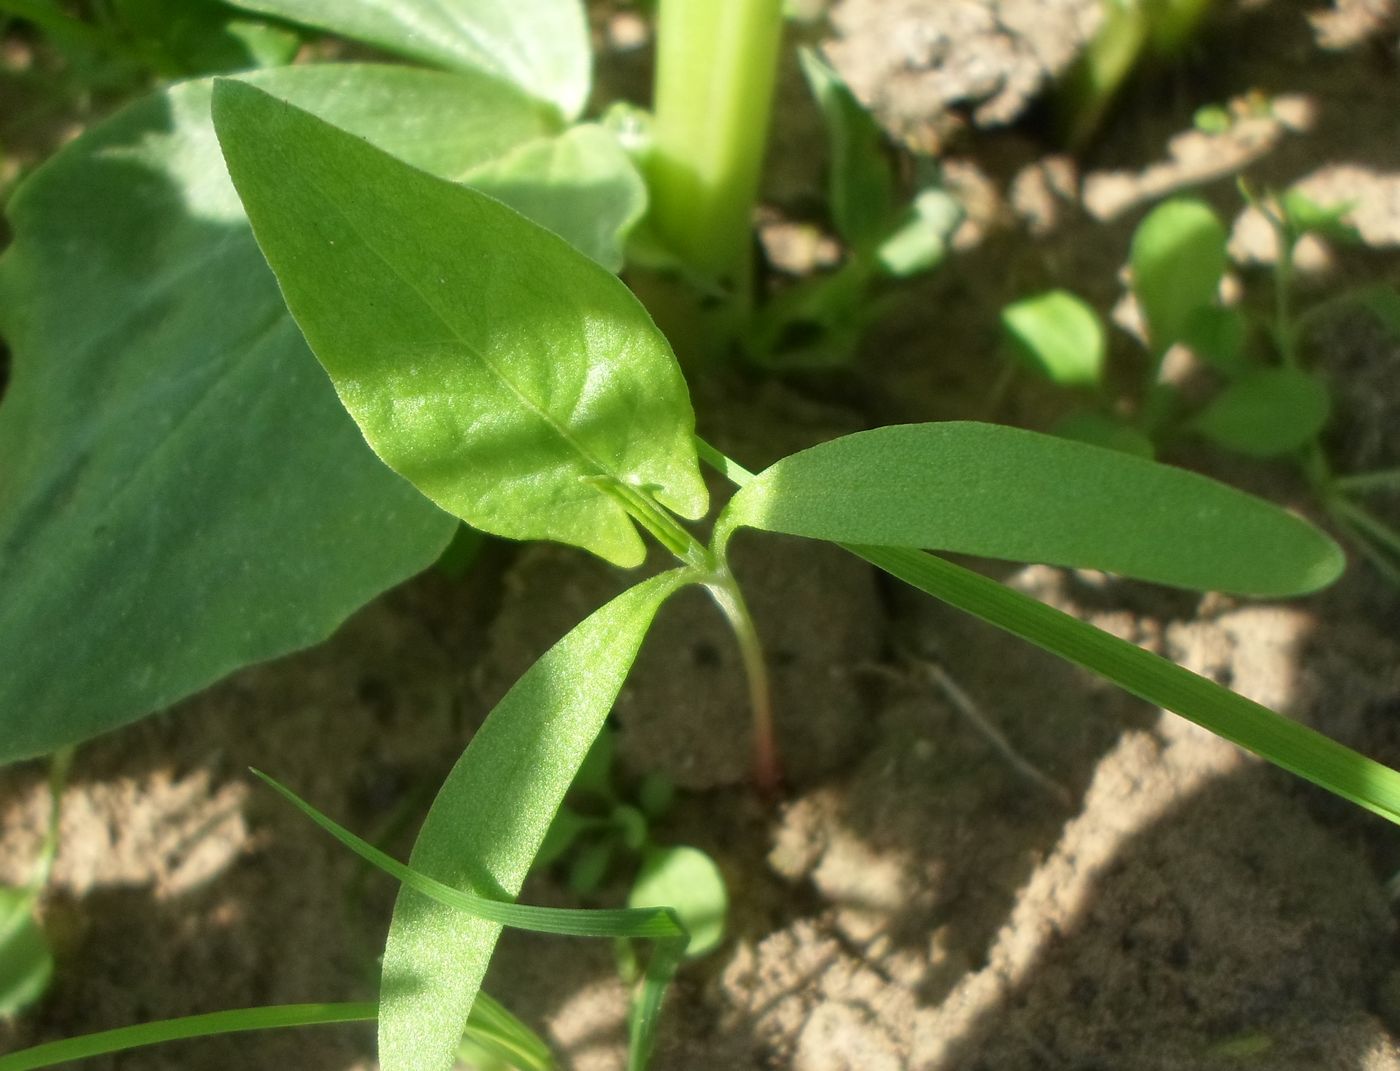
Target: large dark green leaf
(182,493)
(1005,493)
(489,820)
(540,45)
(503,373)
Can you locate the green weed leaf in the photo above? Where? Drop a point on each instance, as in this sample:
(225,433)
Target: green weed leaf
(1267,413)
(1057,335)
(860,182)
(687,881)
(920,242)
(486,361)
(540,45)
(490,819)
(182,492)
(1006,493)
(607,198)
(1178,259)
(1217,335)
(1303,215)
(26,963)
(1256,728)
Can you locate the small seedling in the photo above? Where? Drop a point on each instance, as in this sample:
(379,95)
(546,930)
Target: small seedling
(1130,31)
(597,828)
(1267,403)
(818,321)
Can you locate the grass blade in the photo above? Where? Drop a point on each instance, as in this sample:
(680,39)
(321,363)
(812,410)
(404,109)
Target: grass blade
(1001,492)
(1256,728)
(655,924)
(189,1026)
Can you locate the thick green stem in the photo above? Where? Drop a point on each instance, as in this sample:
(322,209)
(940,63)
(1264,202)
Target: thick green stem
(716,66)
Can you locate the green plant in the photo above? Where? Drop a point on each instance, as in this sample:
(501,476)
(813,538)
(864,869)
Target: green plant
(559,413)
(818,321)
(597,824)
(1266,402)
(183,470)
(1129,31)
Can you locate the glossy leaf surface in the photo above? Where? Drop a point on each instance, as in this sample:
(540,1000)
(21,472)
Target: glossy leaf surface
(485,360)
(182,493)
(489,820)
(540,45)
(1005,493)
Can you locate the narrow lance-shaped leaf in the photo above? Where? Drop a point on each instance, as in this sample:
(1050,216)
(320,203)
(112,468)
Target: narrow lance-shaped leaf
(1006,493)
(1293,747)
(180,492)
(490,1022)
(540,45)
(496,368)
(489,820)
(1270,735)
(861,184)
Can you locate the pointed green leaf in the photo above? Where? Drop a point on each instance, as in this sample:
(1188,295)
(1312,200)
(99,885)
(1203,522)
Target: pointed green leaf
(605,195)
(1271,736)
(861,180)
(540,45)
(489,820)
(1267,413)
(1057,335)
(1178,259)
(1005,493)
(485,360)
(182,493)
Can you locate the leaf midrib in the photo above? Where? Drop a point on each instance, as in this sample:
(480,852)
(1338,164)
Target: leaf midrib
(521,396)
